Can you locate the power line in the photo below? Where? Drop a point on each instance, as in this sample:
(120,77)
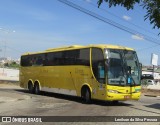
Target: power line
(18,51)
(15,50)
(108,21)
(139,27)
(112,14)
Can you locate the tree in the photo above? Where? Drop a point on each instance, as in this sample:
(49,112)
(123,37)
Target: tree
(152,7)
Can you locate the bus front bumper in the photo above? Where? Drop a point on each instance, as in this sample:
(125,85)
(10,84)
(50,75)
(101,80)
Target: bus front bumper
(122,97)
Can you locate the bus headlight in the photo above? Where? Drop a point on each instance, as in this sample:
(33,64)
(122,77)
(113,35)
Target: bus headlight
(137,90)
(112,91)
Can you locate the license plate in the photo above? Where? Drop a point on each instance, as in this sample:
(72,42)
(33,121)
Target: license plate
(127,97)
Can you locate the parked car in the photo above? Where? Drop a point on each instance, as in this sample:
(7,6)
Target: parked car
(147,76)
(152,85)
(150,82)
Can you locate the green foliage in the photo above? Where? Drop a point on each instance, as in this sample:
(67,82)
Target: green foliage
(12,65)
(6,64)
(144,82)
(152,7)
(128,4)
(153,11)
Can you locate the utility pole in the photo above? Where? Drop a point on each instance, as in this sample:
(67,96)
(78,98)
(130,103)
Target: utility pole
(5,43)
(4,56)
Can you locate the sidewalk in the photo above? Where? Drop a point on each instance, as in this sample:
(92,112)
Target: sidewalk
(7,78)
(150,92)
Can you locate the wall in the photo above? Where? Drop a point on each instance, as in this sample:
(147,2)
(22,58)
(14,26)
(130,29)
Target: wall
(9,74)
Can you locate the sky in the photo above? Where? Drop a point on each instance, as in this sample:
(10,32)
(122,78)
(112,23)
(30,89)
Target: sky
(36,25)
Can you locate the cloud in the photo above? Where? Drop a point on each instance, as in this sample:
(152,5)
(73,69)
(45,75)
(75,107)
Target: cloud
(137,37)
(127,18)
(88,0)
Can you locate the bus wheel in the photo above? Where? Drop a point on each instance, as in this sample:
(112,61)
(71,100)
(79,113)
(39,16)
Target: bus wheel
(87,96)
(30,87)
(36,89)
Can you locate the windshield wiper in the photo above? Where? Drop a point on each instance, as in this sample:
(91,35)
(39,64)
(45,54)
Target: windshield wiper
(125,69)
(124,66)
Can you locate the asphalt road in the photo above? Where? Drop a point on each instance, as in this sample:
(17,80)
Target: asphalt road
(15,101)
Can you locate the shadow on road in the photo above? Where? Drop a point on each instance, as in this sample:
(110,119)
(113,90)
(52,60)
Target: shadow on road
(157,113)
(155,106)
(76,99)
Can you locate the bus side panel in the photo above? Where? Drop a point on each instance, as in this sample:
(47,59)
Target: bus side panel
(67,78)
(25,76)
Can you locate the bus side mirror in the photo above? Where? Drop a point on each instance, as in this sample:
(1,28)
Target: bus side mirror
(140,66)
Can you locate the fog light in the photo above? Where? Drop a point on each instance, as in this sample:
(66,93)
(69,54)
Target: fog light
(112,91)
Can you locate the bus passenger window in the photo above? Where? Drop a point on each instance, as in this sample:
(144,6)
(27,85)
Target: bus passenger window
(39,61)
(101,70)
(98,65)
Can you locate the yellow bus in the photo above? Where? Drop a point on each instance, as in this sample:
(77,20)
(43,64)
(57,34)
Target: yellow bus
(103,72)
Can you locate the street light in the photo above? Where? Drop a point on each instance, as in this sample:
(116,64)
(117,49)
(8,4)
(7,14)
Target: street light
(5,44)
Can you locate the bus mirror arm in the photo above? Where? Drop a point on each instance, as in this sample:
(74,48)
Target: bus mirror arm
(140,65)
(129,70)
(128,74)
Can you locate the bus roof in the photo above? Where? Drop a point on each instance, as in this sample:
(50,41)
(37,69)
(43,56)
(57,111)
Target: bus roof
(80,47)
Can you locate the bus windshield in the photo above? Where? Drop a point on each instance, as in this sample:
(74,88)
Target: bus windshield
(121,65)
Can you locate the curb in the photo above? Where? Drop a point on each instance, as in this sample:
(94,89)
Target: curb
(152,96)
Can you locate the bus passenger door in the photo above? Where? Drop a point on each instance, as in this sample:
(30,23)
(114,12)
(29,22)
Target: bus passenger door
(98,70)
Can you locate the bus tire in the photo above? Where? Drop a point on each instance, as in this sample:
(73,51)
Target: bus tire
(36,89)
(30,87)
(86,95)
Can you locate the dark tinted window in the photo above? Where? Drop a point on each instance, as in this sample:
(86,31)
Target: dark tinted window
(32,60)
(25,61)
(84,57)
(53,59)
(77,57)
(98,65)
(71,57)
